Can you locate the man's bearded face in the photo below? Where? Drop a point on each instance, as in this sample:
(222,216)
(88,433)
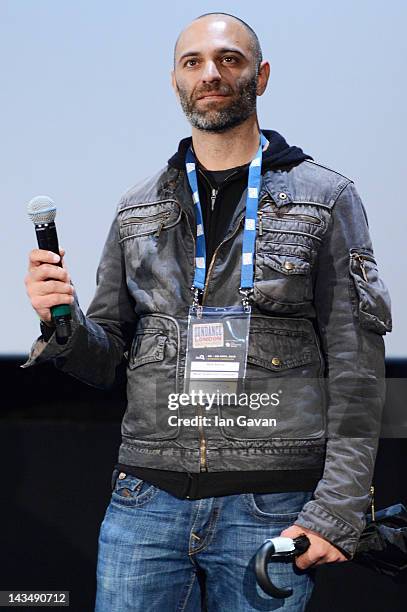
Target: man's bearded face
(220,114)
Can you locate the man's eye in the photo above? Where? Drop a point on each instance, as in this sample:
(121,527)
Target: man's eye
(191,63)
(229,59)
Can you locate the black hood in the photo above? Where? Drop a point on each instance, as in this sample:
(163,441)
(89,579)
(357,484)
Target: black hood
(277,155)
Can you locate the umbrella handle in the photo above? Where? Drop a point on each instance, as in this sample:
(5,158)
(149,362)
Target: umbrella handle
(281,547)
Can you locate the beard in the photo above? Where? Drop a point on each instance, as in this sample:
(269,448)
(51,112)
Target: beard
(241,105)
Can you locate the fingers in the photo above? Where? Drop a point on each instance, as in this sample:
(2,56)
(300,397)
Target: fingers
(49,287)
(43,302)
(62,253)
(47,284)
(316,555)
(308,559)
(320,550)
(45,272)
(40,256)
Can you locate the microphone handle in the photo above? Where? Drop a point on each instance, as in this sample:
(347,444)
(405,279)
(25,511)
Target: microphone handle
(61,315)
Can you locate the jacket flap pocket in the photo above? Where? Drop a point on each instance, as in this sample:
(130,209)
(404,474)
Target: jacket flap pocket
(373,301)
(148,346)
(146,219)
(277,364)
(287,263)
(281,349)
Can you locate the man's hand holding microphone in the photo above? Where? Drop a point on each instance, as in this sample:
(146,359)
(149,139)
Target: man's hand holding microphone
(47,284)
(47,281)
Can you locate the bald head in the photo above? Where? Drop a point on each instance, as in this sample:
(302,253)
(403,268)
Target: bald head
(218,22)
(218,72)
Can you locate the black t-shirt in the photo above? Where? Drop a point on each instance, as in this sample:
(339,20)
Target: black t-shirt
(220,191)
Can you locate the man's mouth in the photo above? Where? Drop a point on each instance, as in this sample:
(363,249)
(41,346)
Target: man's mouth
(212,96)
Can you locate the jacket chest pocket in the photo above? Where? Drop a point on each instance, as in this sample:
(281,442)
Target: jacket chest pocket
(283,273)
(157,253)
(148,220)
(306,223)
(288,238)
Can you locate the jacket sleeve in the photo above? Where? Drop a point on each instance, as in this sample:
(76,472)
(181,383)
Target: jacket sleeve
(352,314)
(95,352)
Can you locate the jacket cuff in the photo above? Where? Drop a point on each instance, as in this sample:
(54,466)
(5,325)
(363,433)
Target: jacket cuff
(334,529)
(47,348)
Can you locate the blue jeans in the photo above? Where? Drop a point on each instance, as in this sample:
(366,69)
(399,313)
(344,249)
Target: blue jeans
(164,554)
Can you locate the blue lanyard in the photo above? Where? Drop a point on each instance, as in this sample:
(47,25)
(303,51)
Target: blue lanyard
(249,233)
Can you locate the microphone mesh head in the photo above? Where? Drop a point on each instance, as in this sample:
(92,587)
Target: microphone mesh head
(41,209)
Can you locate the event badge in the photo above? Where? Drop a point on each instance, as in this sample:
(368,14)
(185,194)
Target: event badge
(216,349)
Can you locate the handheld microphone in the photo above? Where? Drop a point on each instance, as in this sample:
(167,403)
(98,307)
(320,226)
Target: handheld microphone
(42,212)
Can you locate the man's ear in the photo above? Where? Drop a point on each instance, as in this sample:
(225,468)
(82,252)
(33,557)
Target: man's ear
(174,83)
(263,77)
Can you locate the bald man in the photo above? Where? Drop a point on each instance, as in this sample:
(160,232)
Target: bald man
(255,224)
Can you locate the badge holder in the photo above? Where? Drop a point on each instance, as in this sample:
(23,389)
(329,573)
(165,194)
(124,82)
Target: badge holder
(217,344)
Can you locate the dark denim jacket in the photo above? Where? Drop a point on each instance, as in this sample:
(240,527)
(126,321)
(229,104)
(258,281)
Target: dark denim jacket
(319,311)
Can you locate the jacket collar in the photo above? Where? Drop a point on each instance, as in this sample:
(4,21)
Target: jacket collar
(278,156)
(275,184)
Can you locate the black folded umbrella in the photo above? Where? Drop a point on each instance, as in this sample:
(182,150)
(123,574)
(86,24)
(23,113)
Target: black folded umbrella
(382,546)
(383,543)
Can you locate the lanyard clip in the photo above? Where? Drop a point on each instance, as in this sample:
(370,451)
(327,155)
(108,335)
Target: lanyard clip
(196,300)
(245,299)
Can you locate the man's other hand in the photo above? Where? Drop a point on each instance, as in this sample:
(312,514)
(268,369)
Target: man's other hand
(320,550)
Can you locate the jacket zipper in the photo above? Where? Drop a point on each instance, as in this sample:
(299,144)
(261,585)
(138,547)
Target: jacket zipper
(202,440)
(213,198)
(214,257)
(214,191)
(263,200)
(145,219)
(202,446)
(360,259)
(299,217)
(163,216)
(372,504)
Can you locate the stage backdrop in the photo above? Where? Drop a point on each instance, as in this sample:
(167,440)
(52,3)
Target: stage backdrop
(87,110)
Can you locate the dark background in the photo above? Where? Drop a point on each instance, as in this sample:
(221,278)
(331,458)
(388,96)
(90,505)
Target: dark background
(58,445)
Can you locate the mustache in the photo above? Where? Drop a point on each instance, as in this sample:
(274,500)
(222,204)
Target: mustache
(220,89)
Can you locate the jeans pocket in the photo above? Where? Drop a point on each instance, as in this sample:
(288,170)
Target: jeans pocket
(130,490)
(278,507)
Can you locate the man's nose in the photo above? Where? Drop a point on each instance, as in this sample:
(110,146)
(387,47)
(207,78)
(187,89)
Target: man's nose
(210,72)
